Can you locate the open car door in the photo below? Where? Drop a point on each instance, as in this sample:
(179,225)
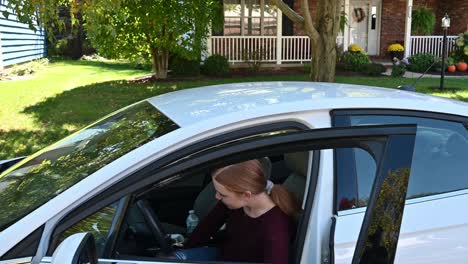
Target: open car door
(390,146)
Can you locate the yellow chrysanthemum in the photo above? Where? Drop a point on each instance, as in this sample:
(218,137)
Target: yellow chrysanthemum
(354,48)
(395,47)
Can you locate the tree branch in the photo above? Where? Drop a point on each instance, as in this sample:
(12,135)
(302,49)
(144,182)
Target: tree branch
(308,23)
(290,13)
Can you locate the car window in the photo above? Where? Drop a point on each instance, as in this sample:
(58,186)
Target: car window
(439,160)
(26,248)
(354,191)
(99,224)
(43,176)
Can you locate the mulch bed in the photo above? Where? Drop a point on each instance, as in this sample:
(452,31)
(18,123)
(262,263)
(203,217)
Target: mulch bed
(241,72)
(457,73)
(235,73)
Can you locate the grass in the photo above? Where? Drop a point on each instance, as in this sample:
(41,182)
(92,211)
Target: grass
(67,95)
(53,80)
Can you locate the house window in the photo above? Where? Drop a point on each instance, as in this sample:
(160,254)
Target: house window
(249,18)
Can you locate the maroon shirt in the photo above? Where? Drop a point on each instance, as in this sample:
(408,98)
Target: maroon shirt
(262,239)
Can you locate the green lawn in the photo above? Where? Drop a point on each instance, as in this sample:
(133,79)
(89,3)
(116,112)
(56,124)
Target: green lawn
(68,95)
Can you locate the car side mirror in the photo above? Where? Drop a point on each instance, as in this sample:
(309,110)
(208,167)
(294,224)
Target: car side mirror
(76,249)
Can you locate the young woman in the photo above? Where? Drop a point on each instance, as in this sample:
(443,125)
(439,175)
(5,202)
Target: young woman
(259,216)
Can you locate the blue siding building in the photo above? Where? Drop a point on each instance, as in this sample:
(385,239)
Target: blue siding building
(18,43)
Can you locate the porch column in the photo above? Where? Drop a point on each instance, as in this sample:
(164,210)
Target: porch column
(209,47)
(409,10)
(279,35)
(346,29)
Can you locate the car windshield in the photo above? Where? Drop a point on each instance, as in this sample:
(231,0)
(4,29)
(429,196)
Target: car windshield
(46,174)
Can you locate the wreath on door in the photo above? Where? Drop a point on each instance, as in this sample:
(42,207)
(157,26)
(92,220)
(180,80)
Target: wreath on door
(359,14)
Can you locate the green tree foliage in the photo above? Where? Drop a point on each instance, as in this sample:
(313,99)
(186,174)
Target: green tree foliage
(423,21)
(133,28)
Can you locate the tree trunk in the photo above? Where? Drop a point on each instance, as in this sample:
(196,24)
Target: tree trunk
(323,59)
(322,33)
(160,59)
(324,47)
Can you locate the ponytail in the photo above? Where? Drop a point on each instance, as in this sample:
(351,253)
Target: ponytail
(285,200)
(249,176)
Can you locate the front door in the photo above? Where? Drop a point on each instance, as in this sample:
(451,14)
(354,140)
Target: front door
(364,24)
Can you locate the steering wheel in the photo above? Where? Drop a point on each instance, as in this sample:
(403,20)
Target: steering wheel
(154,225)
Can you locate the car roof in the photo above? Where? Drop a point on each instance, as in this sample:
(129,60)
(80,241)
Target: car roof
(186,107)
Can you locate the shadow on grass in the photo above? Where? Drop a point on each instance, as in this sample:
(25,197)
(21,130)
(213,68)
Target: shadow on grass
(85,104)
(104,66)
(82,105)
(71,110)
(16,143)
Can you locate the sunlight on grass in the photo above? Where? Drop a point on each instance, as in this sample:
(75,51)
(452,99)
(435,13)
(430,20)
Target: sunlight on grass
(52,80)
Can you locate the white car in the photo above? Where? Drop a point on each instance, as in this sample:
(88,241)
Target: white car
(382,175)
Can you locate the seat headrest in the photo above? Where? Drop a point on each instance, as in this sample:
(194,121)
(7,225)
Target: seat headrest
(456,144)
(298,162)
(266,166)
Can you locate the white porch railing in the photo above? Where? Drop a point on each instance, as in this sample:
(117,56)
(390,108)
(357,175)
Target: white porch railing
(431,44)
(236,48)
(268,48)
(295,49)
(239,48)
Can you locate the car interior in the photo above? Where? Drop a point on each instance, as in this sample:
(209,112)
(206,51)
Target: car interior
(154,226)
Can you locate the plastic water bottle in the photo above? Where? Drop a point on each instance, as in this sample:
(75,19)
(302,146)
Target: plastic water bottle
(192,221)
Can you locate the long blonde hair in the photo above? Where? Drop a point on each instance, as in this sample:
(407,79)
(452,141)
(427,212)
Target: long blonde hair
(249,176)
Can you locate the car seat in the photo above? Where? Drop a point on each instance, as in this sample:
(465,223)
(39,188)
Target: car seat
(456,146)
(298,163)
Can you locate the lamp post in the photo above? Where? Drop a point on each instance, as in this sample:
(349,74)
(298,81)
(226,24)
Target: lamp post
(445,26)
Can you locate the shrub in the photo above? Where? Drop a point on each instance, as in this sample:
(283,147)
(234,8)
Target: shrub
(254,59)
(423,21)
(354,61)
(438,63)
(461,51)
(216,65)
(373,69)
(60,48)
(184,67)
(420,62)
(398,70)
(141,63)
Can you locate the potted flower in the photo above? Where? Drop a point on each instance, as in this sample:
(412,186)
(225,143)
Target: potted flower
(354,48)
(396,51)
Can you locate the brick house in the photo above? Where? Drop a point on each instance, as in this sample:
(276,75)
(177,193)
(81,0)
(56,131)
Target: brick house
(373,24)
